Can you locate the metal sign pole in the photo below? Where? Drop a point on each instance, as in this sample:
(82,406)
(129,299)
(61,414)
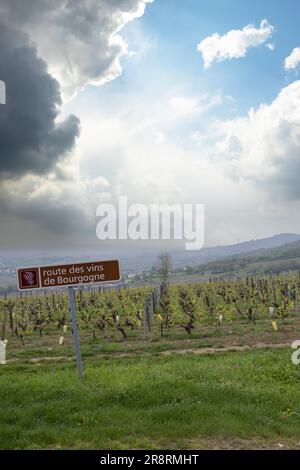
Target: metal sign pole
(75,332)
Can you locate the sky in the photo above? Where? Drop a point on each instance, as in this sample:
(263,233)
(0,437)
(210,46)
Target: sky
(163,101)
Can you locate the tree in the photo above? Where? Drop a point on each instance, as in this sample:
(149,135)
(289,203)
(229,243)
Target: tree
(164,265)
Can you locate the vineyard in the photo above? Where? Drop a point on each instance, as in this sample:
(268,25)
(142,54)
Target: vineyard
(144,384)
(121,318)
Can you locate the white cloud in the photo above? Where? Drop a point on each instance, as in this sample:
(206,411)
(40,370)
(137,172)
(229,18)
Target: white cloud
(80,40)
(270,46)
(149,163)
(184,107)
(234,44)
(293,60)
(264,146)
(181,106)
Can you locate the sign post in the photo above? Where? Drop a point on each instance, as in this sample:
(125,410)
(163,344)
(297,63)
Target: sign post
(70,275)
(75,331)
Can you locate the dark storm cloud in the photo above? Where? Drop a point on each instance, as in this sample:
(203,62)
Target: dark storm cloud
(64,218)
(79,39)
(49,49)
(30,140)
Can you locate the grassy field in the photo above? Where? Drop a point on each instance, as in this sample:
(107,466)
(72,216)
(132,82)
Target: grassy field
(226,400)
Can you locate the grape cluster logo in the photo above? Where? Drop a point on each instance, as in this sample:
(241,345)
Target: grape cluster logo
(29,278)
(2,92)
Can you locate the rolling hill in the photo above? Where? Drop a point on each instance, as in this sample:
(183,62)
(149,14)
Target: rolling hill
(273,260)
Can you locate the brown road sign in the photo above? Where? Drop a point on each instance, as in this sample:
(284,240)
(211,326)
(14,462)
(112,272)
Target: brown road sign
(69,275)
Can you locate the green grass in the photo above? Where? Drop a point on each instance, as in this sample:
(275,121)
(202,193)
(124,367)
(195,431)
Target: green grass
(151,402)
